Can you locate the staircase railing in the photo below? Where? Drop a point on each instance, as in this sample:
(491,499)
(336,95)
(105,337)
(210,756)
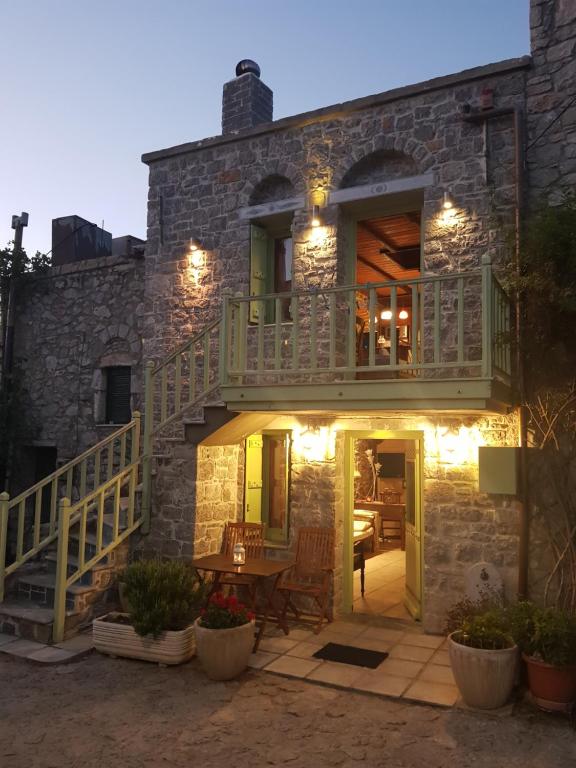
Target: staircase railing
(181,381)
(74,480)
(108,493)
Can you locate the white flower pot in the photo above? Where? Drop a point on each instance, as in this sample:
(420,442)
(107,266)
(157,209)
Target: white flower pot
(485,678)
(224,653)
(119,639)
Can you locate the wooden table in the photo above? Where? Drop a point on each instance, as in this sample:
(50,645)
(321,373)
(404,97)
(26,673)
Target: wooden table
(259,567)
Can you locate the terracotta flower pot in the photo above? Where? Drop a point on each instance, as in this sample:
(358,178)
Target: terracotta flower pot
(114,635)
(484,678)
(553,688)
(224,653)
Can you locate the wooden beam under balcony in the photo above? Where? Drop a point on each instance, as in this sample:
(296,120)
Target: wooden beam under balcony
(417,394)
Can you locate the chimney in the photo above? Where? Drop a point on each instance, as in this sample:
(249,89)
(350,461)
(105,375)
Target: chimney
(246,101)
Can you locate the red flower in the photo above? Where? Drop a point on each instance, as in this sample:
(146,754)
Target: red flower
(251,615)
(233,602)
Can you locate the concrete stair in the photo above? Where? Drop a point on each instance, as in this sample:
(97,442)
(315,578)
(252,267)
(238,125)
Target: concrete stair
(28,610)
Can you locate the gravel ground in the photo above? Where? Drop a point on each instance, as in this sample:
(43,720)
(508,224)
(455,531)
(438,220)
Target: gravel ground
(111,712)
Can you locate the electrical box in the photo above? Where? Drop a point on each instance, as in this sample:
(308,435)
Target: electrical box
(498,470)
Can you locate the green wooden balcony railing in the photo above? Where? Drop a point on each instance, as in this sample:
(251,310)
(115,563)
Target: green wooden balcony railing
(451,325)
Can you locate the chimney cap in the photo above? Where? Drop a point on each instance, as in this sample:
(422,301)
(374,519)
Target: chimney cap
(247,65)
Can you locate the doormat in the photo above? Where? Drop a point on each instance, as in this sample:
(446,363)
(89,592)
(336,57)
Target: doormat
(349,654)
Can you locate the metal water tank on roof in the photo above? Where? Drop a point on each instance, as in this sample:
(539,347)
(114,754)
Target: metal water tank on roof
(75,239)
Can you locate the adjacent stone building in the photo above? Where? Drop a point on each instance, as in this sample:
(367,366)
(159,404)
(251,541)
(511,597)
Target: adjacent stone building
(77,326)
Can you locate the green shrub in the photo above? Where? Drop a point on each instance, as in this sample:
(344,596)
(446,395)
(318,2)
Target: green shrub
(163,595)
(550,636)
(488,631)
(466,609)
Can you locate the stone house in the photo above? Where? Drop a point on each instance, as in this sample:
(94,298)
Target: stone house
(327,330)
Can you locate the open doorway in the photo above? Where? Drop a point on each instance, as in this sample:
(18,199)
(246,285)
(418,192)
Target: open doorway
(385,566)
(387,249)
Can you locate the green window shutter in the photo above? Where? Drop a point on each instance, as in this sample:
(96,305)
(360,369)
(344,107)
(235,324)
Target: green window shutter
(253,495)
(260,278)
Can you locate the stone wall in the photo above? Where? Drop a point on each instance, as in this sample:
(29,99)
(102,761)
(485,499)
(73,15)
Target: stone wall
(551,100)
(69,323)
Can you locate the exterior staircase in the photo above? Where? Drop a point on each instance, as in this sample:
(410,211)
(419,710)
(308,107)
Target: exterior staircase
(65,560)
(28,610)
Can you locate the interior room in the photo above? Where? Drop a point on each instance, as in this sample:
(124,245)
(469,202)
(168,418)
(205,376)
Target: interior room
(384,496)
(387,248)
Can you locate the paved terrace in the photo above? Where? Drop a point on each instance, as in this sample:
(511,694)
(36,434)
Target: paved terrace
(110,712)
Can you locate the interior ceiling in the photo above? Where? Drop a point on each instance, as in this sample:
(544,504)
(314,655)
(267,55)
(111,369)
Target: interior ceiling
(388,248)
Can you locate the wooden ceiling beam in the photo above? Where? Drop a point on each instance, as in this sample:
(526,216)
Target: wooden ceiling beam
(376,268)
(375,234)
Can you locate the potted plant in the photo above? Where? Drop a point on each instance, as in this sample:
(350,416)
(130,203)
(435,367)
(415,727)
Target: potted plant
(164,599)
(547,638)
(224,637)
(483,654)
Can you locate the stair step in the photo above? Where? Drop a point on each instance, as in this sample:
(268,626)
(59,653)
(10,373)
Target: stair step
(33,622)
(23,609)
(48,581)
(52,557)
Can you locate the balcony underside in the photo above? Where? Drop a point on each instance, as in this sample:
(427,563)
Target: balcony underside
(460,395)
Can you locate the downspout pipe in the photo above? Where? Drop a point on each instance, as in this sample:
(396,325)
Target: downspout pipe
(519,191)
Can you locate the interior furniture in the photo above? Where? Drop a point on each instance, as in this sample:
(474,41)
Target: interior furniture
(251,535)
(312,573)
(386,513)
(359,561)
(389,496)
(366,525)
(259,568)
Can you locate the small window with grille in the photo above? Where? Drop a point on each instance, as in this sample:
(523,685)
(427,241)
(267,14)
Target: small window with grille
(118,409)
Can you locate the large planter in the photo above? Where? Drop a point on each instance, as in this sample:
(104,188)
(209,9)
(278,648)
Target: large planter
(224,653)
(552,688)
(112,635)
(485,678)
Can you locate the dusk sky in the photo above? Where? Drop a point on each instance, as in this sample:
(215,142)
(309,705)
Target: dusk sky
(88,86)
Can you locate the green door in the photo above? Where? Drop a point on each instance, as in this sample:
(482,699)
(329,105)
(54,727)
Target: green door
(253,490)
(259,267)
(413,596)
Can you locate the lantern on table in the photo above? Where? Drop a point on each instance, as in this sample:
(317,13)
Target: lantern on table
(239,554)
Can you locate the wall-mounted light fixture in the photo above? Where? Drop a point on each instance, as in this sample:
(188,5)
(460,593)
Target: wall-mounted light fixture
(196,259)
(386,314)
(403,314)
(315,217)
(447,202)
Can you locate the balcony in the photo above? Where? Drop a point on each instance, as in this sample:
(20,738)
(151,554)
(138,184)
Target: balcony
(440,342)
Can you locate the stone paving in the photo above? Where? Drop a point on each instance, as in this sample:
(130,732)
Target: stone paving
(112,712)
(417,667)
(60,653)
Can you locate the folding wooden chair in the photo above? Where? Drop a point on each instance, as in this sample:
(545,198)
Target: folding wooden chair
(312,573)
(251,535)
